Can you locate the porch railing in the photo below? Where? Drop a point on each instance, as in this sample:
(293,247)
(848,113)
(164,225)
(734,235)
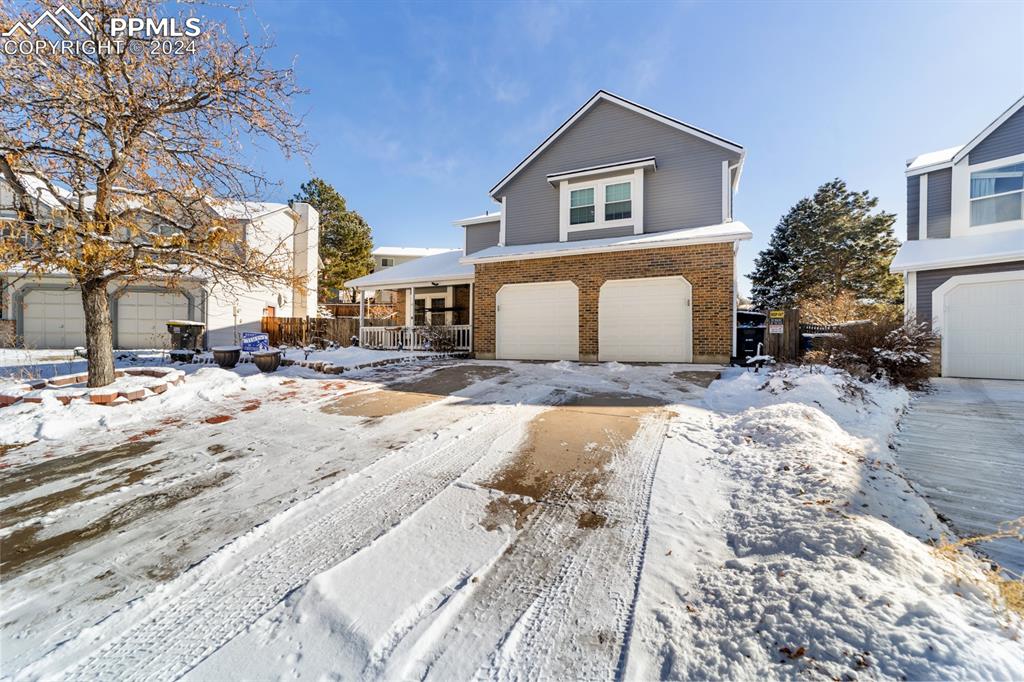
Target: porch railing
(414,338)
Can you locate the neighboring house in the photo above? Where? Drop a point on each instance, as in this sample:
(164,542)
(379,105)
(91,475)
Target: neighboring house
(963,261)
(615,241)
(389,256)
(48,313)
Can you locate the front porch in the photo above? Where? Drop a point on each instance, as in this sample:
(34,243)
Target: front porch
(427,316)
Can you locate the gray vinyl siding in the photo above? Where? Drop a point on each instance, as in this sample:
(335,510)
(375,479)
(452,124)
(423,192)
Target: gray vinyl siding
(623,231)
(940,184)
(913,206)
(1006,140)
(684,191)
(483,236)
(930,280)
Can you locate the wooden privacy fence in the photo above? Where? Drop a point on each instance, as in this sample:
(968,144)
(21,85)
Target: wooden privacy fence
(315,331)
(352,309)
(782,335)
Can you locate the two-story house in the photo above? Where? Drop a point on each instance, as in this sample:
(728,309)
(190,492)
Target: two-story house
(963,261)
(615,241)
(47,309)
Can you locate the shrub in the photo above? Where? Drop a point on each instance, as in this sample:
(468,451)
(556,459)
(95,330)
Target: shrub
(440,339)
(885,348)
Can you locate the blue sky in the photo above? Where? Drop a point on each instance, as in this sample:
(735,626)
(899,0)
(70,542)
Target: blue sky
(416,110)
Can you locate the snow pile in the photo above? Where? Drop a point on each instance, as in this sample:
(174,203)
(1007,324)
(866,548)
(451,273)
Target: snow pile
(822,570)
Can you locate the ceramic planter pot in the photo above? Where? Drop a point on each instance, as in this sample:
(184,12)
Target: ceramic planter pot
(267,360)
(227,356)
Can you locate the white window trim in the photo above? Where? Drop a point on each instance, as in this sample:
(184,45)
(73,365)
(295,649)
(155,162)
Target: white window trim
(910,296)
(960,223)
(636,193)
(501,222)
(939,302)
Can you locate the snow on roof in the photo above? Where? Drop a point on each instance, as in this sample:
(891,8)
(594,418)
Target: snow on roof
(489,217)
(408,251)
(930,254)
(933,158)
(724,232)
(232,209)
(442,267)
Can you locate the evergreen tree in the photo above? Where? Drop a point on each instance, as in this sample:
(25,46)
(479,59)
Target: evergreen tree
(345,238)
(827,245)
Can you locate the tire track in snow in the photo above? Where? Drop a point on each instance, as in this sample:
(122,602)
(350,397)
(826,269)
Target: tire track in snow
(559,603)
(172,639)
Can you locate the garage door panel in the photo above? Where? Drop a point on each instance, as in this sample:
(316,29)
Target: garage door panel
(537,321)
(645,320)
(142,318)
(981,335)
(53,318)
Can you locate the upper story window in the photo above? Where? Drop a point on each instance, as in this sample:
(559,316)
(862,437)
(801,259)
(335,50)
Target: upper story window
(387,262)
(997,195)
(617,203)
(603,202)
(599,197)
(581,206)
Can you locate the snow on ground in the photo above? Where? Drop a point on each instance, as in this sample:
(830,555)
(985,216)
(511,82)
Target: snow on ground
(487,519)
(818,568)
(51,420)
(351,356)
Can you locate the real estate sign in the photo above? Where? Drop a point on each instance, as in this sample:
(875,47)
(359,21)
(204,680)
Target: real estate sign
(253,341)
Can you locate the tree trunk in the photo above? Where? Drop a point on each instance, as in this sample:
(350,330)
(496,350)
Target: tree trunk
(99,338)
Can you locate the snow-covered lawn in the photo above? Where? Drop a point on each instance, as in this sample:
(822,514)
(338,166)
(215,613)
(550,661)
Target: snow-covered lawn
(457,519)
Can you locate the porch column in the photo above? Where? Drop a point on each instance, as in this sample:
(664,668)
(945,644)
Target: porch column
(362,313)
(449,301)
(407,333)
(471,316)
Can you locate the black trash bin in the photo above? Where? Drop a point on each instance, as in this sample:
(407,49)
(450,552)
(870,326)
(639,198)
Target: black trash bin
(186,338)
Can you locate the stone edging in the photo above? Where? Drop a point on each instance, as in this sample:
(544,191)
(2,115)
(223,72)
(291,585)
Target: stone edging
(33,391)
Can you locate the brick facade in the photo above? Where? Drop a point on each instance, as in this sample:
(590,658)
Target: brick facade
(707,267)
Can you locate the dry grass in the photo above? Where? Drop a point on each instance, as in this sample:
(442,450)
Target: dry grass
(1008,585)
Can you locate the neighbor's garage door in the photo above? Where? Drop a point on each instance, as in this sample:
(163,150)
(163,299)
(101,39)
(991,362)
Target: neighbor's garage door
(53,319)
(142,318)
(983,330)
(537,321)
(645,320)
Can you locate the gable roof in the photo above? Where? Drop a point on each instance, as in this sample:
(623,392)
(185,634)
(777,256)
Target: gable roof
(1014,108)
(443,268)
(945,158)
(605,96)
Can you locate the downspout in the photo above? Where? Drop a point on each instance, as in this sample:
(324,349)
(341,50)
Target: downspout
(735,292)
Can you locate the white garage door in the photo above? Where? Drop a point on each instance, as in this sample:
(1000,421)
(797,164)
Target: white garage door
(645,320)
(982,328)
(537,322)
(142,318)
(53,319)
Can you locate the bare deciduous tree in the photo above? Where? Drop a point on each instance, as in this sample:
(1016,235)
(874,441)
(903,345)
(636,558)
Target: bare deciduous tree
(130,148)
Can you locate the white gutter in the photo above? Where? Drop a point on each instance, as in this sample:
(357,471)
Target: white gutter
(640,246)
(461,279)
(959,262)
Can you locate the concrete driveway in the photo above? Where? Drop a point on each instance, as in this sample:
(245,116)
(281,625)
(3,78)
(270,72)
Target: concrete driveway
(963,446)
